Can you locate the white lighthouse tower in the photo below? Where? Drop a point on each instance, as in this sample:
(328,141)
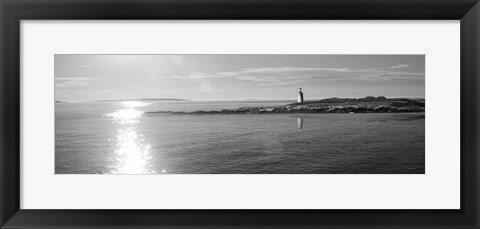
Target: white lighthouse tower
(300,96)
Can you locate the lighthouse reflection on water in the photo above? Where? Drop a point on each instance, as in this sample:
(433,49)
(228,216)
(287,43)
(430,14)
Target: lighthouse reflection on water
(300,119)
(300,124)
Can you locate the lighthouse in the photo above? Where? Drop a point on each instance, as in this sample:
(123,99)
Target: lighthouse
(300,96)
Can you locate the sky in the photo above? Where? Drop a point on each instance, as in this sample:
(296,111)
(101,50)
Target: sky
(231,77)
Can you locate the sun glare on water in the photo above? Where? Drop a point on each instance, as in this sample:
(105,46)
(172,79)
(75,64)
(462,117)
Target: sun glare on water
(134,104)
(126,116)
(132,155)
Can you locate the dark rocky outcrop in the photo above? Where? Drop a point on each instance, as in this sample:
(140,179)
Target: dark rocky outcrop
(367,104)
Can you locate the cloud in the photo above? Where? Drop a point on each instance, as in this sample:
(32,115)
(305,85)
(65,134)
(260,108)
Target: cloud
(259,79)
(263,71)
(400,66)
(293,75)
(283,83)
(275,80)
(381,76)
(73,81)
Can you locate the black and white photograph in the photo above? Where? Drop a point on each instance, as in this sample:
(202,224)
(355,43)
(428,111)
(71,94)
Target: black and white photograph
(239,114)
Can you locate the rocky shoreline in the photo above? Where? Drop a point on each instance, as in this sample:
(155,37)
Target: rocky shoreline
(367,104)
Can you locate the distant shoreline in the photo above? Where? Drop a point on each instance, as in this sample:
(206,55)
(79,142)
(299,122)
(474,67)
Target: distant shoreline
(215,100)
(367,104)
(142,99)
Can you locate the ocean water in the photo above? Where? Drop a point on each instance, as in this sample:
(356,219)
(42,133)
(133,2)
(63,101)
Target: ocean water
(119,138)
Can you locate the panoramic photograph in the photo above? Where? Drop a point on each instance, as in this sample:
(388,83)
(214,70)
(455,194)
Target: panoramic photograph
(239,114)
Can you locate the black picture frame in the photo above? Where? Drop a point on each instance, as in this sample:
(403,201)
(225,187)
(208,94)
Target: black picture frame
(13,11)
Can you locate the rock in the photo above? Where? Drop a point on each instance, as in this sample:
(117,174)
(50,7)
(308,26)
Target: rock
(367,104)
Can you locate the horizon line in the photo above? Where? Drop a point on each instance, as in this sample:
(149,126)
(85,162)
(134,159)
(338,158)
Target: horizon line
(236,99)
